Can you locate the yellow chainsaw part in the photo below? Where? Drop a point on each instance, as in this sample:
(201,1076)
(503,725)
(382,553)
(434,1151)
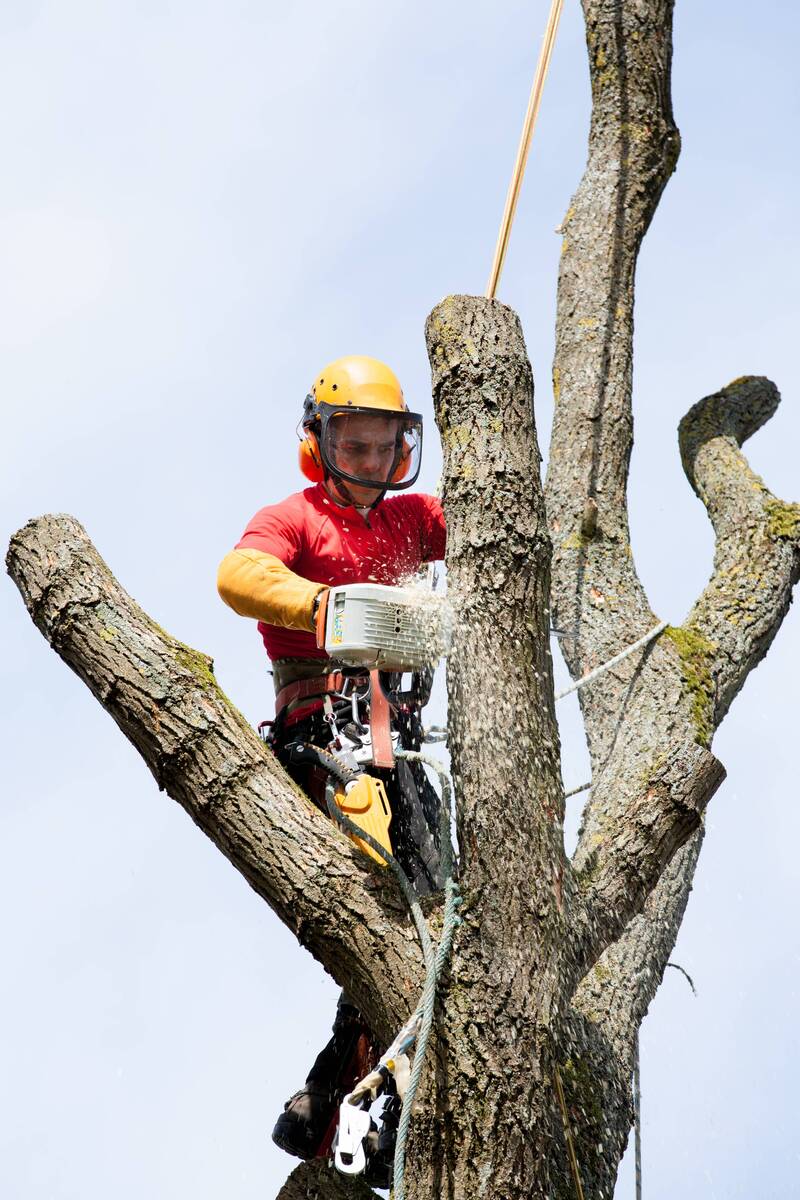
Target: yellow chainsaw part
(367,806)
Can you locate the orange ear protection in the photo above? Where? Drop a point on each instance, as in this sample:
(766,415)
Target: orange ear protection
(310,458)
(401,470)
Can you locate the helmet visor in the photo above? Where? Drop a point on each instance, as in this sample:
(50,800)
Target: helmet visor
(371,447)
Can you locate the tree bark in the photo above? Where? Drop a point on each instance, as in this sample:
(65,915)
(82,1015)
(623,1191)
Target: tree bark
(317,1180)
(670,700)
(165,699)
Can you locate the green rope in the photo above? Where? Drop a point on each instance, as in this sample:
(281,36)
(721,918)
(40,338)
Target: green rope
(426,1005)
(422,1018)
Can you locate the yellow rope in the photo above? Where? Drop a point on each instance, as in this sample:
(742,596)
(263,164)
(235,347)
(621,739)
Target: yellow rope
(573,1158)
(524,146)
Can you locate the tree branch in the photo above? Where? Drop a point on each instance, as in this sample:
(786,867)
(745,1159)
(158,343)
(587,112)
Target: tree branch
(598,599)
(605,1015)
(757,555)
(757,562)
(650,780)
(617,992)
(165,699)
(639,839)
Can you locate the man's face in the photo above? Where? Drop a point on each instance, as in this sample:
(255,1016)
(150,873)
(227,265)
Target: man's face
(364,446)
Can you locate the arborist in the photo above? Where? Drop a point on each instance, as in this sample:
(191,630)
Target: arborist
(359,441)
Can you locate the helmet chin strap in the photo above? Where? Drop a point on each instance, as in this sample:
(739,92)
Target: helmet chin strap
(338,488)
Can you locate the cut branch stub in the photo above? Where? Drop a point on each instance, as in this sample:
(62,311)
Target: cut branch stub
(504,735)
(165,699)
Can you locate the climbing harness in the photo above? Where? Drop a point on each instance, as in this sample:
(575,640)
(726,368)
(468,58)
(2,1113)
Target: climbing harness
(338,728)
(528,127)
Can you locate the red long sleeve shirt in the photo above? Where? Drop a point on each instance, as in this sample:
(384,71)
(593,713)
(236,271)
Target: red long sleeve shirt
(325,543)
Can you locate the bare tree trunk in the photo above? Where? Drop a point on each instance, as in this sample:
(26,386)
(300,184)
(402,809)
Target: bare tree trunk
(556,961)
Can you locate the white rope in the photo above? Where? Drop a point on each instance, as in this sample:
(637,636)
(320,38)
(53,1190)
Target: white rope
(584,787)
(612,662)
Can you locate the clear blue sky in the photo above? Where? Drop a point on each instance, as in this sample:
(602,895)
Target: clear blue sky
(202,204)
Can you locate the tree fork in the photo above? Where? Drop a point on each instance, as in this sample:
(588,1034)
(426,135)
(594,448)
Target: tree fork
(164,697)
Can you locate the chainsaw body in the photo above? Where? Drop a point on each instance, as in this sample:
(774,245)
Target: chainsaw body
(386,628)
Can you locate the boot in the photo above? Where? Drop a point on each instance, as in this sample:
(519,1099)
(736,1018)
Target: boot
(307,1115)
(304,1121)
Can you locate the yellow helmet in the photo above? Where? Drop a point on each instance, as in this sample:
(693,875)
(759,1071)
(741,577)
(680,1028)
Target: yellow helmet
(357,386)
(359,382)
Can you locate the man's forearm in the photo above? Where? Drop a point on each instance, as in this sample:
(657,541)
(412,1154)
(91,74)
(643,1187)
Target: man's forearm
(255,584)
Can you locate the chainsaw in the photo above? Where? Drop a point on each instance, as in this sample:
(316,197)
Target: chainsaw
(376,635)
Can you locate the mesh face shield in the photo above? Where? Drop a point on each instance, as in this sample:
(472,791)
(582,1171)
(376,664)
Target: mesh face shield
(371,447)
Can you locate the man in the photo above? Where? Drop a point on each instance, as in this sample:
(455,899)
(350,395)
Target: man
(359,442)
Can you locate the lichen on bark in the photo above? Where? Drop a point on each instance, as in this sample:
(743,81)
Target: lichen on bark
(697,658)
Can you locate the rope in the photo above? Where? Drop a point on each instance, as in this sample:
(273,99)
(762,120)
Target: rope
(637,1119)
(612,662)
(685,974)
(524,146)
(449,922)
(573,1158)
(419,1025)
(637,1093)
(584,787)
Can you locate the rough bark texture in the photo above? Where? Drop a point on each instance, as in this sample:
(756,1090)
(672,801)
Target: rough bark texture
(505,758)
(556,961)
(165,699)
(663,705)
(316,1180)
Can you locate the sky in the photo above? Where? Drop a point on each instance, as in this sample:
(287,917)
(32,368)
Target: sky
(202,205)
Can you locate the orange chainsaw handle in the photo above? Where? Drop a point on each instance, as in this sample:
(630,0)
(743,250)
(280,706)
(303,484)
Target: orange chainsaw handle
(320,616)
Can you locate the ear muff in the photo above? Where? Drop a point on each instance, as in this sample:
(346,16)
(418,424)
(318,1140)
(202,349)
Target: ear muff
(401,470)
(310,459)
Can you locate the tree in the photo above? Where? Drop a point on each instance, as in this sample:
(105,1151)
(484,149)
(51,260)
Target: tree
(556,961)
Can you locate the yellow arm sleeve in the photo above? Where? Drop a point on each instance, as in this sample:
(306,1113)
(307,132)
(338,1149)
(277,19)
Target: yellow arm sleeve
(255,584)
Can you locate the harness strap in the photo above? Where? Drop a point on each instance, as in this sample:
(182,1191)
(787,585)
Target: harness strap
(380,724)
(301,689)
